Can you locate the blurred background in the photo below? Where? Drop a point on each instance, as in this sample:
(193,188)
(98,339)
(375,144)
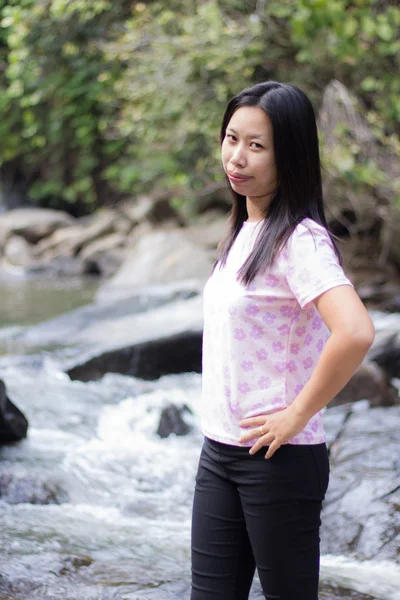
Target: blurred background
(112,202)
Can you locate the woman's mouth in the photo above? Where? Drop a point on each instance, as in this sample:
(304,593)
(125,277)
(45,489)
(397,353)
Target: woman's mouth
(236,178)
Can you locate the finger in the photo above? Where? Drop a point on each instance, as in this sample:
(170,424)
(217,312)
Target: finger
(250,435)
(252,421)
(273,448)
(265,440)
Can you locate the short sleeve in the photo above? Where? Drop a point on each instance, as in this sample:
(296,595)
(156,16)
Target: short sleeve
(312,265)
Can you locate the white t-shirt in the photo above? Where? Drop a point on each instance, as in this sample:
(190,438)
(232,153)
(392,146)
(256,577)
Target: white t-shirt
(261,342)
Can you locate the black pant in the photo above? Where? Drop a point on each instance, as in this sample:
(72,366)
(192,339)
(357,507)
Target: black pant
(251,512)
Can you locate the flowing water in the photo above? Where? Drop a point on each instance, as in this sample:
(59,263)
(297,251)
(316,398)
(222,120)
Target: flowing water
(116,525)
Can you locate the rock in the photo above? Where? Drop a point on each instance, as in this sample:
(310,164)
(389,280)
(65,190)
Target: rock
(325,592)
(62,242)
(33,224)
(13,423)
(18,251)
(6,587)
(160,257)
(79,250)
(73,562)
(380,295)
(361,514)
(154,209)
(385,350)
(60,266)
(26,488)
(155,332)
(214,197)
(390,232)
(208,230)
(122,224)
(172,421)
(387,354)
(72,240)
(180,353)
(105,255)
(369,382)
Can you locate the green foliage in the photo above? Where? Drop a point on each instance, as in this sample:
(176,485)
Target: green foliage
(354,41)
(102,98)
(56,97)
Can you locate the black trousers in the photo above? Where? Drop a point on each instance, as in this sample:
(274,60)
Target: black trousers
(251,512)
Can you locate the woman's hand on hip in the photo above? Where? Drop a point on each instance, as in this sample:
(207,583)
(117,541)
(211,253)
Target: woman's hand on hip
(272,430)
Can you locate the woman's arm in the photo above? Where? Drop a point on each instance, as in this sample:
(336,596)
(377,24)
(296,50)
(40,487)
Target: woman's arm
(352,334)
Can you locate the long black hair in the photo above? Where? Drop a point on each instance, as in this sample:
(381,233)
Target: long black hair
(299,190)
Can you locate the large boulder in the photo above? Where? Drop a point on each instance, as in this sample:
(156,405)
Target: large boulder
(13,423)
(105,255)
(154,209)
(18,251)
(160,257)
(179,353)
(385,350)
(33,224)
(59,266)
(208,229)
(71,241)
(155,332)
(361,514)
(369,382)
(380,295)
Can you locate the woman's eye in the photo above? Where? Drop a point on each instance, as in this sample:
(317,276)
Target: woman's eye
(231,137)
(255,145)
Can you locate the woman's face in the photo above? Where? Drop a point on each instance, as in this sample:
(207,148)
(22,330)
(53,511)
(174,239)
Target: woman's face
(248,155)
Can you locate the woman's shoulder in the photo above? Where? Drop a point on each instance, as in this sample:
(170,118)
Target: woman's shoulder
(310,229)
(308,225)
(309,236)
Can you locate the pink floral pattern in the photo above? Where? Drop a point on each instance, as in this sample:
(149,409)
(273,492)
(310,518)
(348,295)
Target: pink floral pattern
(261,342)
(256,332)
(269,318)
(243,387)
(247,365)
(252,309)
(317,322)
(239,334)
(264,383)
(308,339)
(286,311)
(308,363)
(284,329)
(300,331)
(262,354)
(272,280)
(278,347)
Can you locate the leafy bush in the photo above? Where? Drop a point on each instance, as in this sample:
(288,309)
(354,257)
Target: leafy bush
(100,99)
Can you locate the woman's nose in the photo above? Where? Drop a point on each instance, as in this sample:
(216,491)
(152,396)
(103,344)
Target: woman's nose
(238,157)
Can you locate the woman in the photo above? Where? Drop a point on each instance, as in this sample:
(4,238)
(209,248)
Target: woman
(284,331)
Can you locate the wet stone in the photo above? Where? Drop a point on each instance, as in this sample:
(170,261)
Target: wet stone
(70,564)
(25,489)
(361,513)
(326,592)
(172,421)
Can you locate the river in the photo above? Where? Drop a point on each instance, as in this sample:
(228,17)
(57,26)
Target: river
(116,525)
